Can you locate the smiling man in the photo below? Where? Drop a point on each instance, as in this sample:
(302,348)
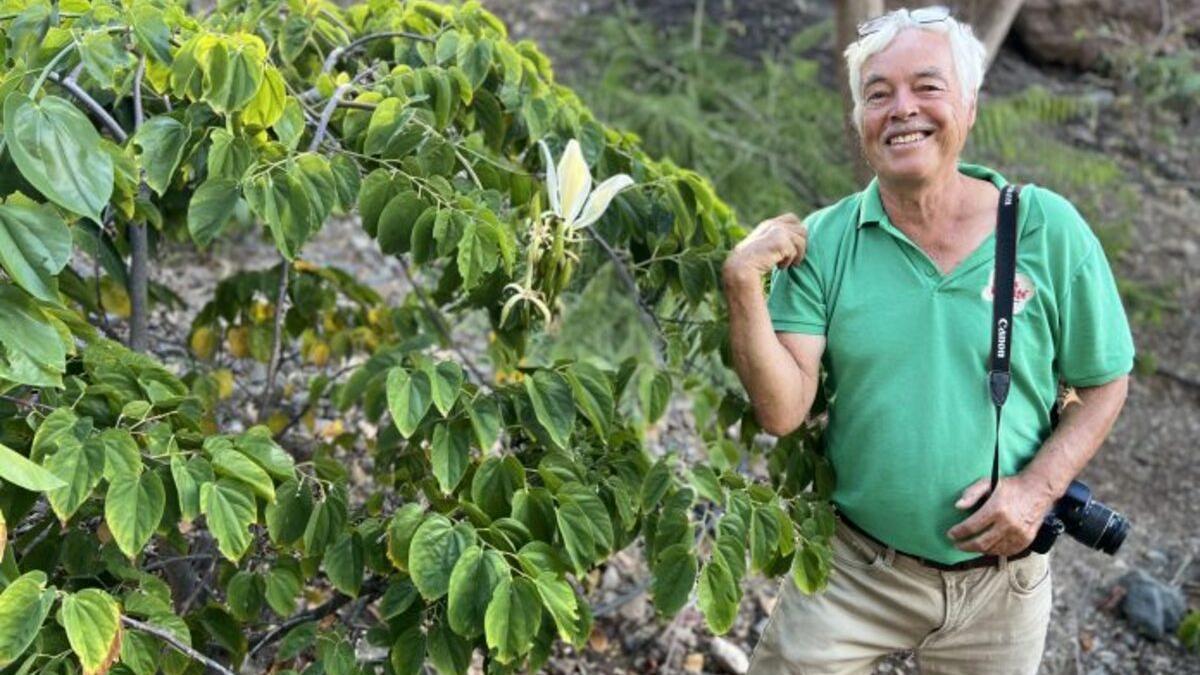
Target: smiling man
(890,290)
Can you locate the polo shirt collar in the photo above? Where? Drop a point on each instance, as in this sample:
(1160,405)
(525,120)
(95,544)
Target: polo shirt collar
(871,210)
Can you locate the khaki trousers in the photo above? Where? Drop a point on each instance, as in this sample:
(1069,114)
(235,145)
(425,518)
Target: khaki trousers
(989,620)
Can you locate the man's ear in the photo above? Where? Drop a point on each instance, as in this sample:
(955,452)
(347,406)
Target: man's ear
(971,112)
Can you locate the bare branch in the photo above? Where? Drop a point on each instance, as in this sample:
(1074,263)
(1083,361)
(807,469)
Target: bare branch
(139,296)
(337,54)
(95,108)
(175,642)
(326,114)
(436,315)
(277,339)
(372,589)
(630,284)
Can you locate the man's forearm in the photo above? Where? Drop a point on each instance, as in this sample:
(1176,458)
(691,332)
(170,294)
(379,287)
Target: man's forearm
(1082,428)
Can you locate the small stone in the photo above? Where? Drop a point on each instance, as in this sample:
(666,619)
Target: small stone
(729,656)
(694,662)
(611,578)
(1152,607)
(1086,642)
(598,640)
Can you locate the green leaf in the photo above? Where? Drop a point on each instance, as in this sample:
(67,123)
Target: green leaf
(396,222)
(18,470)
(495,482)
(189,475)
(289,128)
(344,563)
(472,582)
(559,599)
(133,507)
(288,517)
(279,198)
(103,57)
(577,535)
(265,109)
(478,251)
(810,567)
(24,605)
(140,652)
(244,595)
(486,420)
(233,464)
(550,394)
(258,443)
(436,547)
(593,395)
(33,352)
(655,484)
(389,133)
(346,181)
(401,528)
(475,58)
(121,453)
(764,536)
(674,574)
(654,393)
(210,209)
(719,596)
(35,245)
(234,72)
(408,652)
(162,140)
(449,653)
(229,156)
(80,464)
(151,31)
(229,507)
(284,584)
(409,398)
(58,151)
(446,380)
(450,453)
(513,618)
(326,523)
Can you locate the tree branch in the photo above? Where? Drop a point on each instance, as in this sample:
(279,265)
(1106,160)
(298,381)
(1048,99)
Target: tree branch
(277,339)
(372,589)
(338,52)
(326,115)
(96,109)
(139,296)
(440,323)
(630,284)
(175,642)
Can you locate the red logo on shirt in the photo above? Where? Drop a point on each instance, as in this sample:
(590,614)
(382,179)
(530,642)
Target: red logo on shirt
(1023,290)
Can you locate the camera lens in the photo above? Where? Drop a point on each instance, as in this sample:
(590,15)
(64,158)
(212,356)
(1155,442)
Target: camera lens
(1099,527)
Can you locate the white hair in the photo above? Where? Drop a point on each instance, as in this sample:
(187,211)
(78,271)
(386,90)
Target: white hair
(968,53)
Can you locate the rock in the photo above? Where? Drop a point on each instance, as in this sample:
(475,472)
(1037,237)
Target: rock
(729,656)
(694,662)
(611,578)
(1078,32)
(1152,607)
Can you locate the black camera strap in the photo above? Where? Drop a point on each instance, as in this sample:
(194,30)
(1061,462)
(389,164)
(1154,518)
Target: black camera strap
(999,376)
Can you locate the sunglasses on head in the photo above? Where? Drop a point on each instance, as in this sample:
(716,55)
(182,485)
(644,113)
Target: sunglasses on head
(932,14)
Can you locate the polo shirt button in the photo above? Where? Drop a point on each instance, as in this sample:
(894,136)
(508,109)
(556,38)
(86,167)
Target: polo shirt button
(931,272)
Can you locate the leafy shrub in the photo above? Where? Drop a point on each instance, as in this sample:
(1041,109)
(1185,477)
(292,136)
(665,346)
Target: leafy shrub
(168,545)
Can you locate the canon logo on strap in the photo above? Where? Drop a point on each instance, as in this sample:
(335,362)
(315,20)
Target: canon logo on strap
(1001,337)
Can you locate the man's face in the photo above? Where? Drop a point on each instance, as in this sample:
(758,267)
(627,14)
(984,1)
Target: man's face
(914,122)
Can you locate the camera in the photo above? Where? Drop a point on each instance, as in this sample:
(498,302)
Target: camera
(1090,522)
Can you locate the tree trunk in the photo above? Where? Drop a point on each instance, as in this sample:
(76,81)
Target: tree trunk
(850,13)
(991,21)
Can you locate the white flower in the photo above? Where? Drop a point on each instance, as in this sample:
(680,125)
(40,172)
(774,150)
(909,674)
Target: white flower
(570,187)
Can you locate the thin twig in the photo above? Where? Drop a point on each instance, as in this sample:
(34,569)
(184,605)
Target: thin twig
(630,284)
(30,405)
(1178,377)
(175,642)
(277,339)
(326,115)
(159,564)
(339,52)
(440,323)
(372,589)
(96,109)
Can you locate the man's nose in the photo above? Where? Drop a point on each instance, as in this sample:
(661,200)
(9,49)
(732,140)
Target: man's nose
(904,105)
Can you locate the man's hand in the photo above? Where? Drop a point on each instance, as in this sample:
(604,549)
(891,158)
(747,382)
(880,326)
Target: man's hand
(1008,521)
(780,241)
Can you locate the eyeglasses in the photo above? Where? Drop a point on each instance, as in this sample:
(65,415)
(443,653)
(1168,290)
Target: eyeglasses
(932,14)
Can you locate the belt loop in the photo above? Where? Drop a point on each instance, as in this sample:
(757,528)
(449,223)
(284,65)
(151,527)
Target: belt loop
(1003,566)
(889,556)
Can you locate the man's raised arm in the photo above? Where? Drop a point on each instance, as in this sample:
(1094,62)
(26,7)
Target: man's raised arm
(779,370)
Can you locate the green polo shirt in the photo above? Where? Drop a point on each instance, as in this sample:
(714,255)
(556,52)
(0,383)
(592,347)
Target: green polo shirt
(911,423)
